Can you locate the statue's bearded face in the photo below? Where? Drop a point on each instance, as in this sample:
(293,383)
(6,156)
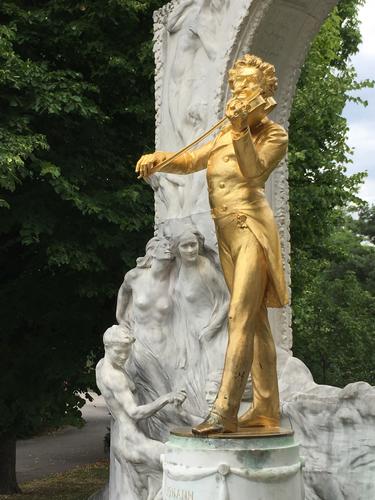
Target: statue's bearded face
(247,81)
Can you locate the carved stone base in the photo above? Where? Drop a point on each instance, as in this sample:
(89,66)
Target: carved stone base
(233,467)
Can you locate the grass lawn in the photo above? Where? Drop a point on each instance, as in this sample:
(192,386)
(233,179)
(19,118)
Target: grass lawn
(77,484)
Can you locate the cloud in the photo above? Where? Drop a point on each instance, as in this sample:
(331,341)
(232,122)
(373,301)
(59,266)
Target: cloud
(367,192)
(367,18)
(361,120)
(361,138)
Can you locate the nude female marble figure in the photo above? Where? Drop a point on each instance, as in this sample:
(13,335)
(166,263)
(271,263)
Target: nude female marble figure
(145,292)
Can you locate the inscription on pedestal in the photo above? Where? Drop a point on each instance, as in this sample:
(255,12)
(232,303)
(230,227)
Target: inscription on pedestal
(173,493)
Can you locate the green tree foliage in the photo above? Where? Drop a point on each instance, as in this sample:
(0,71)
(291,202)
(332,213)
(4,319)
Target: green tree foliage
(333,304)
(77,107)
(318,152)
(365,224)
(334,316)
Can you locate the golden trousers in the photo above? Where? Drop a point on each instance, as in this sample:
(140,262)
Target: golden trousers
(250,341)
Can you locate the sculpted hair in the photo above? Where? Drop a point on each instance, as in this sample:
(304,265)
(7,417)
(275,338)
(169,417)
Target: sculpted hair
(117,334)
(146,261)
(268,71)
(188,231)
(203,250)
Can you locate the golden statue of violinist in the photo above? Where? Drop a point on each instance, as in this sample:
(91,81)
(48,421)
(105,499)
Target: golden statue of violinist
(238,162)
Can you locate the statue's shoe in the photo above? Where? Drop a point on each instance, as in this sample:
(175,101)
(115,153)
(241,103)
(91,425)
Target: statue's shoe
(215,424)
(249,419)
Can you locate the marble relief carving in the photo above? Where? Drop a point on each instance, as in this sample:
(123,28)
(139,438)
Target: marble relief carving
(194,24)
(174,306)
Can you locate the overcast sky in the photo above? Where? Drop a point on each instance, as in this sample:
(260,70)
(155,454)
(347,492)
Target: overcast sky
(362,120)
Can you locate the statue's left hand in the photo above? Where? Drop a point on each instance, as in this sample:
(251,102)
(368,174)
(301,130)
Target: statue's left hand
(237,112)
(239,107)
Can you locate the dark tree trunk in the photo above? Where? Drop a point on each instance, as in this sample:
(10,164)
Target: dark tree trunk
(8,480)
(324,366)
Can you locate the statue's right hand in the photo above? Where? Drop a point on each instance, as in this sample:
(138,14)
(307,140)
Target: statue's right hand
(148,164)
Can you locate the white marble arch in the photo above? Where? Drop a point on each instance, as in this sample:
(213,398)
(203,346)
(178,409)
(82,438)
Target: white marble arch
(280,31)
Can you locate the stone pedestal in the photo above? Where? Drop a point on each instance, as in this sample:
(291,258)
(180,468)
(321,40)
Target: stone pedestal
(261,465)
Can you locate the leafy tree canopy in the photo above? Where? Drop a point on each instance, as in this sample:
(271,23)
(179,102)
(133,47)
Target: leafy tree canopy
(333,290)
(77,107)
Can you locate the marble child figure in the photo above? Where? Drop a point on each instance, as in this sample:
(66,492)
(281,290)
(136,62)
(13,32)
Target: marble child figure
(238,162)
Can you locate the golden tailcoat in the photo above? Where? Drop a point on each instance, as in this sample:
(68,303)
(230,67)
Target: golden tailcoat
(238,166)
